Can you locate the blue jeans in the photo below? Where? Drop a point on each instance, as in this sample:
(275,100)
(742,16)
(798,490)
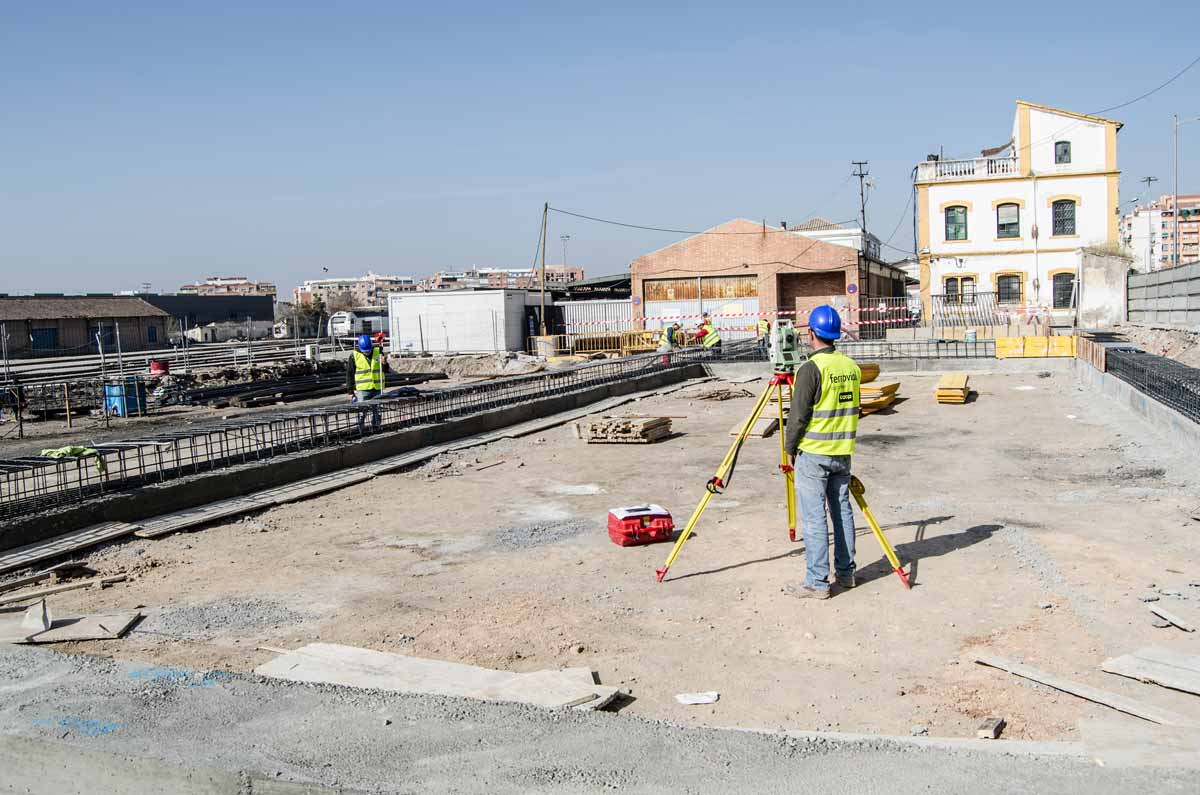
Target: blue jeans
(821,480)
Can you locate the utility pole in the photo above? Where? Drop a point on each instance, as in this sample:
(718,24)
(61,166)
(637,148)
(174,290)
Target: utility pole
(1149,232)
(861,172)
(545,219)
(564,239)
(1175,202)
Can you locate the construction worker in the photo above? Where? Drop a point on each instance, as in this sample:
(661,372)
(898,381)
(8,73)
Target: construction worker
(821,430)
(666,338)
(707,335)
(764,334)
(364,370)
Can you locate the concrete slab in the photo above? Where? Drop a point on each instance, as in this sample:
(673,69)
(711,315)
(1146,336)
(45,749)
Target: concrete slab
(104,626)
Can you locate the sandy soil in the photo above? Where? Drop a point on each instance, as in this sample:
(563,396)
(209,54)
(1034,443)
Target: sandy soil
(1182,346)
(1036,492)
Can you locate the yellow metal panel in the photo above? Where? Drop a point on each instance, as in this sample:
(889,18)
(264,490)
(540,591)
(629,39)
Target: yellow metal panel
(1010,347)
(1036,347)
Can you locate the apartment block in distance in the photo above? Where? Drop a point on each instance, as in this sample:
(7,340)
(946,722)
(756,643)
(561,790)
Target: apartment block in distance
(503,278)
(228,285)
(1015,221)
(369,290)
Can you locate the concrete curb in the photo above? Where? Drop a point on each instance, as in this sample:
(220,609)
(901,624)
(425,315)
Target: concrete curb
(1178,429)
(1005,747)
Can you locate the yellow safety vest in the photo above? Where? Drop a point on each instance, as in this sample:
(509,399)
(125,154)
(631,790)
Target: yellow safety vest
(368,373)
(711,337)
(834,423)
(665,337)
(764,328)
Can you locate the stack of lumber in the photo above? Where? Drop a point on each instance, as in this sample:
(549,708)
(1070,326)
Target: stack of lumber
(952,388)
(623,430)
(877,396)
(870,371)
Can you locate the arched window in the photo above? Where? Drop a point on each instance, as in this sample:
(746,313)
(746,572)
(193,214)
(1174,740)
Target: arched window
(956,222)
(1063,212)
(1064,290)
(960,289)
(1008,289)
(1008,220)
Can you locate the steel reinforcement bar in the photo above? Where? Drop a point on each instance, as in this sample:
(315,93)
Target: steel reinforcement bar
(37,483)
(1166,380)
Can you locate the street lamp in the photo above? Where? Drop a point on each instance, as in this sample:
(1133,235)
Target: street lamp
(1175,203)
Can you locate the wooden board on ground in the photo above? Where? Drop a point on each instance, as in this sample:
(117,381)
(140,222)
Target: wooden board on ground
(1114,700)
(106,626)
(1158,666)
(763,427)
(200,515)
(952,388)
(870,371)
(60,545)
(881,388)
(875,404)
(1114,742)
(353,667)
(53,589)
(1168,616)
(623,430)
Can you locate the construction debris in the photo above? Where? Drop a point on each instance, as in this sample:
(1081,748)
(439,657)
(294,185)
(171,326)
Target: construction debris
(1171,618)
(18,624)
(952,388)
(101,626)
(1159,666)
(990,728)
(724,394)
(707,697)
(353,667)
(98,582)
(623,430)
(1094,694)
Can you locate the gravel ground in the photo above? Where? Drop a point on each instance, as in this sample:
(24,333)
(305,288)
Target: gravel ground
(386,743)
(206,621)
(535,534)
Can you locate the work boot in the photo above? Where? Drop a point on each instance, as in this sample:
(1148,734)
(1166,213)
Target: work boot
(845,581)
(805,592)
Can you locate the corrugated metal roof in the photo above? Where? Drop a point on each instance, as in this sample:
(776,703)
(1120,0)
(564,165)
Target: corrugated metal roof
(74,306)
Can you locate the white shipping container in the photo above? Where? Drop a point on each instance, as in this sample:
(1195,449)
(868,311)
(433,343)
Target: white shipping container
(458,321)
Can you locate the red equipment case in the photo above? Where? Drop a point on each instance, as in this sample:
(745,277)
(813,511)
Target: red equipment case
(640,524)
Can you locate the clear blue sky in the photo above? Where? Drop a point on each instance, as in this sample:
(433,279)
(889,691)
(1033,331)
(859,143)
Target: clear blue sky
(162,142)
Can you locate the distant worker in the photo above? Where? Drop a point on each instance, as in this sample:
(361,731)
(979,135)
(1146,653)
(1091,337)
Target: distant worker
(763,333)
(364,370)
(821,430)
(707,335)
(666,339)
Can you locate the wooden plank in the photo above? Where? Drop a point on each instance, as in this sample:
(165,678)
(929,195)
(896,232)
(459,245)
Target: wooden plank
(1158,666)
(870,371)
(990,729)
(882,388)
(102,626)
(32,579)
(365,668)
(953,381)
(1087,692)
(1167,615)
(70,586)
(1115,742)
(61,545)
(763,427)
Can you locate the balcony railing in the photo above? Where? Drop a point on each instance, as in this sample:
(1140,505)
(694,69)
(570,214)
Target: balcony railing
(978,168)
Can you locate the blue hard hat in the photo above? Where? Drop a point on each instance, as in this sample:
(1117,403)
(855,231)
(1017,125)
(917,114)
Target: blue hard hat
(364,343)
(825,322)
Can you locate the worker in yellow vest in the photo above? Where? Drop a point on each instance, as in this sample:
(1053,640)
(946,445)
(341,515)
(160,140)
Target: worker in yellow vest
(364,371)
(821,430)
(763,334)
(707,335)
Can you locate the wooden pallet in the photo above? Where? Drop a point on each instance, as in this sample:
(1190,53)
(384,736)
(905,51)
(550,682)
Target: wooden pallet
(623,430)
(952,388)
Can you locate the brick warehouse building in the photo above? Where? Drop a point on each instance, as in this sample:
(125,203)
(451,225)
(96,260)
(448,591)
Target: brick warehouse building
(744,269)
(64,325)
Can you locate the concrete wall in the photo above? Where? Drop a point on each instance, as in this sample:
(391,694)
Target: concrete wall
(1101,292)
(1182,431)
(1168,297)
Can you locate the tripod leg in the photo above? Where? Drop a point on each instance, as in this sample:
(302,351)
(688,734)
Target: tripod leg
(718,480)
(859,491)
(789,476)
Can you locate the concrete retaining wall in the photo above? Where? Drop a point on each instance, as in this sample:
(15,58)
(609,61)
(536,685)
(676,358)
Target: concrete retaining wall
(1177,428)
(1168,297)
(136,504)
(980,365)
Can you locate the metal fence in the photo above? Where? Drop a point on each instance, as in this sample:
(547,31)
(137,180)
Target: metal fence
(1166,380)
(36,483)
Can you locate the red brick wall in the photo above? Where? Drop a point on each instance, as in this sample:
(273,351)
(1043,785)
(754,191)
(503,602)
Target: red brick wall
(751,253)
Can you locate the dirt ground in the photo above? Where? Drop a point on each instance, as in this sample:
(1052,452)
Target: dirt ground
(1182,346)
(1034,518)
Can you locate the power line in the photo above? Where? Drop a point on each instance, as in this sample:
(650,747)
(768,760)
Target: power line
(1178,75)
(903,213)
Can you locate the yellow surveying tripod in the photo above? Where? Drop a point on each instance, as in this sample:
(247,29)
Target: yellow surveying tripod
(786,358)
